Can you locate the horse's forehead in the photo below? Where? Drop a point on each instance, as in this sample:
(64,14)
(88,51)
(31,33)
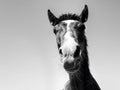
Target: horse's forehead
(69,23)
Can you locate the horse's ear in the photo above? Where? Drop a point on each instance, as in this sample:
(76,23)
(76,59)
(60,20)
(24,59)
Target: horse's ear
(84,14)
(52,18)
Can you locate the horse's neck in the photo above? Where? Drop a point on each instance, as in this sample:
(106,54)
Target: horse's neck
(82,80)
(78,79)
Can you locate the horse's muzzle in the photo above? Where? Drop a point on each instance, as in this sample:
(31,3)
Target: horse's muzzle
(71,66)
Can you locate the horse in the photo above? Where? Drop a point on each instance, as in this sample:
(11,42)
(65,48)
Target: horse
(69,30)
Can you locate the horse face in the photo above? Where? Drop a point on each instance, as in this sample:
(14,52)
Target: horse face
(67,40)
(69,31)
(70,37)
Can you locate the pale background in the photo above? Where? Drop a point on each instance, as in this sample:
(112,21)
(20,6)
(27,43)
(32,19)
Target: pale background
(29,57)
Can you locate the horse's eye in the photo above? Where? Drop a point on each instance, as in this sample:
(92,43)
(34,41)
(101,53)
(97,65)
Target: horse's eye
(55,31)
(80,27)
(79,24)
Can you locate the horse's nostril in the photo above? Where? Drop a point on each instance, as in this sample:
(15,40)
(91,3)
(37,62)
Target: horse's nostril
(60,51)
(76,54)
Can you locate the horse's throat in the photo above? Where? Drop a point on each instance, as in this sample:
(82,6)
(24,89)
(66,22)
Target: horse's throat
(77,82)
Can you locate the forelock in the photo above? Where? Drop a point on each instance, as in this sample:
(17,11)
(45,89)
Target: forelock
(68,17)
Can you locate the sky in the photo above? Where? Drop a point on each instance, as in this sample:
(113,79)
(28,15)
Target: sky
(29,58)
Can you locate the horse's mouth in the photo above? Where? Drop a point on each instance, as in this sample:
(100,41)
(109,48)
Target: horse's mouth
(73,66)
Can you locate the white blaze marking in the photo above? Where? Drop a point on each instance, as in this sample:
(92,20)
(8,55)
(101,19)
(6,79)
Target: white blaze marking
(69,45)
